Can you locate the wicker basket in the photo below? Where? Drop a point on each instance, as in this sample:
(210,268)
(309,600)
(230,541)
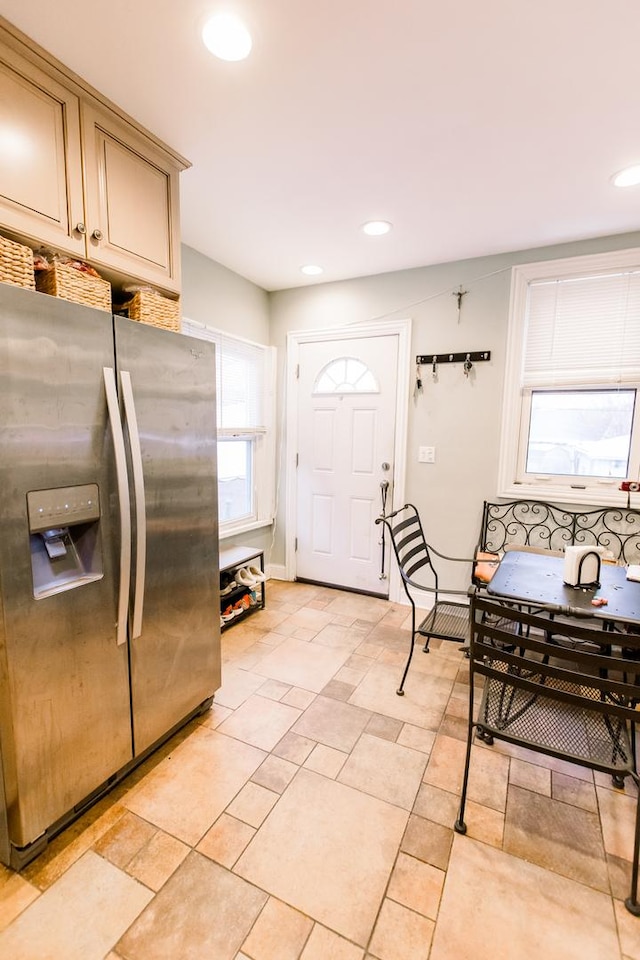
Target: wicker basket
(61,280)
(16,264)
(151,307)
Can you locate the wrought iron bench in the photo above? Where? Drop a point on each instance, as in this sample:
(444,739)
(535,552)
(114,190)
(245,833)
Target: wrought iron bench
(536,525)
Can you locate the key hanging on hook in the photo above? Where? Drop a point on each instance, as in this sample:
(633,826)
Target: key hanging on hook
(418,386)
(435,368)
(466,367)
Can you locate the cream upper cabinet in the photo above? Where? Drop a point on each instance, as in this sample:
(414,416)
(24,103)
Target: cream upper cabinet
(131,201)
(80,177)
(40,164)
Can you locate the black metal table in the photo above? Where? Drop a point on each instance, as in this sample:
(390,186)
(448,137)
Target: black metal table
(537,580)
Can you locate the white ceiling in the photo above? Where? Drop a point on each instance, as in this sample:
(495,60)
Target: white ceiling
(475,127)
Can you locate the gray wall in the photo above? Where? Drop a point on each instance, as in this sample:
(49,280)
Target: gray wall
(460,417)
(221,298)
(214,295)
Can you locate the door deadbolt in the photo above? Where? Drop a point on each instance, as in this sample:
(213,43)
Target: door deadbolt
(386,466)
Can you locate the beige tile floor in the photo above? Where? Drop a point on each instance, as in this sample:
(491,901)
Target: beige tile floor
(309,816)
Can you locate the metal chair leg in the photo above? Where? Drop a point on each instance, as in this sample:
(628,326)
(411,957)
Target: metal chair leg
(460,826)
(631,903)
(400,690)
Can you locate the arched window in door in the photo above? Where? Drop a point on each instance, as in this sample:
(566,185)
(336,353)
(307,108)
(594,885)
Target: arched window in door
(345,375)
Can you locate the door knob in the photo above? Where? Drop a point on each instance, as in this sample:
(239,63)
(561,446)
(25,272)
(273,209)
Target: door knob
(97,234)
(80,228)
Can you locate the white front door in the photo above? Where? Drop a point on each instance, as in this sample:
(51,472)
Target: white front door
(346,435)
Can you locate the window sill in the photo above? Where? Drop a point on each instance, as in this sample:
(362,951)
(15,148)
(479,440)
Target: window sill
(225,532)
(605,495)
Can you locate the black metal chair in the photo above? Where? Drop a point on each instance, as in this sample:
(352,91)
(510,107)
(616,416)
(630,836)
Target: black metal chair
(446,620)
(569,695)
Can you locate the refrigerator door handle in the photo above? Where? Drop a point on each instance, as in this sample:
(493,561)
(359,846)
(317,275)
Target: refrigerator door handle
(123,500)
(141,506)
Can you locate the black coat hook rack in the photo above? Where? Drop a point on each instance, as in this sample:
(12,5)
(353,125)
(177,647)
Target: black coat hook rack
(438,358)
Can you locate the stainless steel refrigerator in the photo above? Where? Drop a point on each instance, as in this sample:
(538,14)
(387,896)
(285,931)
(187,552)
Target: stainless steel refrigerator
(109,610)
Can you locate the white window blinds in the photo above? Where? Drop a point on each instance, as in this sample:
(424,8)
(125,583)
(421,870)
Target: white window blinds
(583,330)
(243,381)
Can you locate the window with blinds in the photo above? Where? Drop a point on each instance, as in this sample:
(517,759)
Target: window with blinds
(583,330)
(571,420)
(244,411)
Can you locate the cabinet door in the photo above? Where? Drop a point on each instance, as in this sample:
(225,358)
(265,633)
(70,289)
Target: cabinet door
(40,165)
(131,200)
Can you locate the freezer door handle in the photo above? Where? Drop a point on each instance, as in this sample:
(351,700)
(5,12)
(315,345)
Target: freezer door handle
(141,506)
(123,500)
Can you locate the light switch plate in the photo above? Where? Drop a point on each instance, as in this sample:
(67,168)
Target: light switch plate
(426,454)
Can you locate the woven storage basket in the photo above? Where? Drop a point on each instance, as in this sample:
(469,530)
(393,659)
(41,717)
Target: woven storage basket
(16,264)
(61,280)
(151,307)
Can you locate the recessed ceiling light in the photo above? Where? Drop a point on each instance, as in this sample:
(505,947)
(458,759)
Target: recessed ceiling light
(629,177)
(226,37)
(376,228)
(312,270)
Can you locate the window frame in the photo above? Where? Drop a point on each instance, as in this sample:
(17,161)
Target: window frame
(262,438)
(513,482)
(249,458)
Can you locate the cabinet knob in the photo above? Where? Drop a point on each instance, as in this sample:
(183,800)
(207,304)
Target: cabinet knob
(97,234)
(80,228)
